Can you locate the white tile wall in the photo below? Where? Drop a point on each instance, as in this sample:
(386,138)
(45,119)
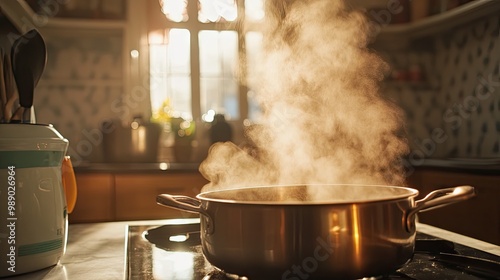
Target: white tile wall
(463,98)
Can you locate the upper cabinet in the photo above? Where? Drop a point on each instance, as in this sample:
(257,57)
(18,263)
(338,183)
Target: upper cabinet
(395,31)
(29,14)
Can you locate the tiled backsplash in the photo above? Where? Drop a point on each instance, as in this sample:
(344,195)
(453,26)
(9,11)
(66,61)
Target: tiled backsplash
(81,87)
(456,111)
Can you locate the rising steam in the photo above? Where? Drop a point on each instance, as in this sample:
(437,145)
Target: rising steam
(324,118)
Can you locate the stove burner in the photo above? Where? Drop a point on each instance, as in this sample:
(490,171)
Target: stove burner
(175,237)
(434,258)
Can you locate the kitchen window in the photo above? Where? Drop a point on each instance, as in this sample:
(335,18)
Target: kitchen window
(195,61)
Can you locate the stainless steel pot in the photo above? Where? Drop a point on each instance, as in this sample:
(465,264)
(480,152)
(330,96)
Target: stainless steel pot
(310,232)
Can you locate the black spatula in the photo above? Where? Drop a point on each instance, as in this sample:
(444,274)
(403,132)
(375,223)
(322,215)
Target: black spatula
(29,56)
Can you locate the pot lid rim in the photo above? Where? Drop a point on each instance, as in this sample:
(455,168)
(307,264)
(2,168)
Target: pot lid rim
(411,193)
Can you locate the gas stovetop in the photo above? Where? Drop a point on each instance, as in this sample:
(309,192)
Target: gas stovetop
(173,251)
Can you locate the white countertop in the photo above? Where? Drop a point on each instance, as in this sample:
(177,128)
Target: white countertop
(97,251)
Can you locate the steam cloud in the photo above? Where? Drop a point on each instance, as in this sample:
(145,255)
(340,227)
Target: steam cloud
(324,120)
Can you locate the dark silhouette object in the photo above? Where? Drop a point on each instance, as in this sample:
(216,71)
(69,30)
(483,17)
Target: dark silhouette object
(220,131)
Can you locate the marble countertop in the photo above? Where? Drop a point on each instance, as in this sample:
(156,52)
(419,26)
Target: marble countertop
(97,250)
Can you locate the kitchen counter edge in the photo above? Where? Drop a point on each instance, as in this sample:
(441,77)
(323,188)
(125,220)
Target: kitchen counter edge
(153,167)
(475,166)
(490,166)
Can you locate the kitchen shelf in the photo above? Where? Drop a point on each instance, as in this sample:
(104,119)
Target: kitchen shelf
(399,36)
(25,19)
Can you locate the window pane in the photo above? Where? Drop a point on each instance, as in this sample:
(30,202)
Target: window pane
(218,85)
(178,51)
(254,110)
(231,102)
(210,95)
(254,10)
(228,42)
(217,11)
(221,96)
(209,53)
(179,93)
(254,51)
(174,10)
(170,76)
(157,75)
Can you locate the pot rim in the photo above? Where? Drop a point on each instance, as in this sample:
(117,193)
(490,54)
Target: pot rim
(409,192)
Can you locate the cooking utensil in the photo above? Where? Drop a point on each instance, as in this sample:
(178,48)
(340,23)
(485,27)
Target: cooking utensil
(29,55)
(322,231)
(10,88)
(11,101)
(3,90)
(17,117)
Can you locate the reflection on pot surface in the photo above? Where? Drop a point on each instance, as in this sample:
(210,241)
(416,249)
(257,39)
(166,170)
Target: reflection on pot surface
(434,258)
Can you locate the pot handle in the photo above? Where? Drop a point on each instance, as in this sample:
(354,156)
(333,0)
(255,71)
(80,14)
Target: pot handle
(436,199)
(69,183)
(180,202)
(186,203)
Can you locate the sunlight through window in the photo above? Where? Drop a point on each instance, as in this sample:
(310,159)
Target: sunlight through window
(254,51)
(195,66)
(170,76)
(174,10)
(218,59)
(217,10)
(254,10)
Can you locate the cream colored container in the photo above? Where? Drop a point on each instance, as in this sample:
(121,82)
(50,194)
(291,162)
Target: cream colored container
(33,211)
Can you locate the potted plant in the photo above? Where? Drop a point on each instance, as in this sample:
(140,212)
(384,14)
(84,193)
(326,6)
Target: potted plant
(178,133)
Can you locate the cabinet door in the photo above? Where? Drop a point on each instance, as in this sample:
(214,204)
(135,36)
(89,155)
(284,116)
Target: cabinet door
(478,217)
(95,198)
(136,194)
